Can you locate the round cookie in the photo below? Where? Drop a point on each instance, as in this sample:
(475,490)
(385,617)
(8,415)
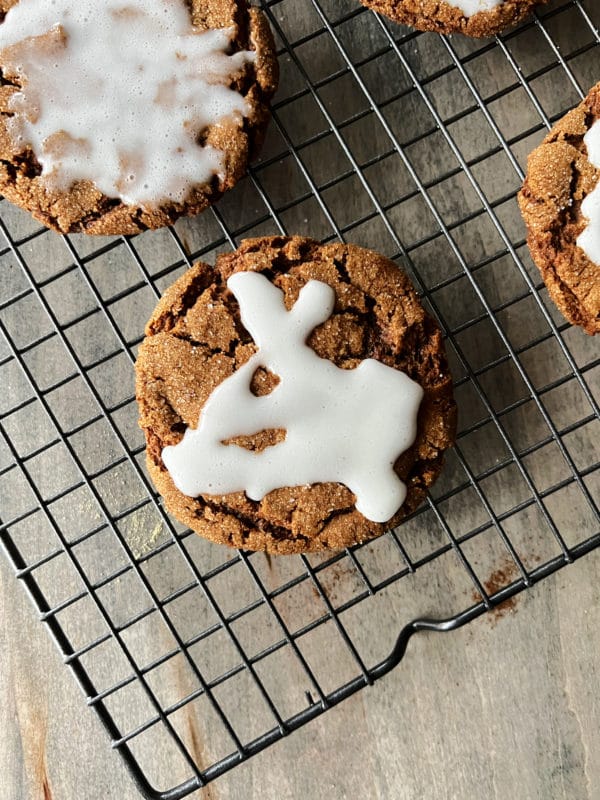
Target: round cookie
(119,142)
(559,203)
(195,340)
(477,18)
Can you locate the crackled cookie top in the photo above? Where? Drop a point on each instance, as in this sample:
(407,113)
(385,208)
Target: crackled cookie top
(560,203)
(118,93)
(589,238)
(471,17)
(122,116)
(344,425)
(354,318)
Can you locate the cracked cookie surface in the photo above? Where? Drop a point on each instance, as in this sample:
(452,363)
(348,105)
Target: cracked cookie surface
(559,178)
(442,17)
(81,206)
(195,340)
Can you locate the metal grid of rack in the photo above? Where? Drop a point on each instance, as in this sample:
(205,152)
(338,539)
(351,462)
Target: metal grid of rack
(409,143)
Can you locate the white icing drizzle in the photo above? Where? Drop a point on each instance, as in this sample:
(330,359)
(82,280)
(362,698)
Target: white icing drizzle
(470,7)
(117,92)
(346,426)
(589,238)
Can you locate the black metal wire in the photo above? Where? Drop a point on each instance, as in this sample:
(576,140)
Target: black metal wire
(100,334)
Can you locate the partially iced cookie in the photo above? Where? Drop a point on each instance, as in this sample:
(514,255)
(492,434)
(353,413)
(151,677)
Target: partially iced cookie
(477,18)
(560,202)
(295,397)
(124,115)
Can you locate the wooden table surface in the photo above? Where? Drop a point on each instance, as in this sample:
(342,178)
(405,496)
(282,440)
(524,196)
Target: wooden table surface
(506,707)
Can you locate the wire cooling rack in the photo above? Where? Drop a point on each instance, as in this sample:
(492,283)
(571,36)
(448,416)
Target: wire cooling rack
(409,143)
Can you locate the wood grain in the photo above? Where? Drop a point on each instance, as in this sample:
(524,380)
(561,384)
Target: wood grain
(505,708)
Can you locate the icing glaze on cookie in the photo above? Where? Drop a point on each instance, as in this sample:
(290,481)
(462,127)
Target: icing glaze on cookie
(119,92)
(589,239)
(341,425)
(470,7)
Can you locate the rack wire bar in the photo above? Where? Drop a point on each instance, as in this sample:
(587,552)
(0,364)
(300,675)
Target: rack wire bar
(409,143)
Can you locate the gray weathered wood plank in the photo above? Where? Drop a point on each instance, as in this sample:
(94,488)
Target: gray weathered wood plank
(506,707)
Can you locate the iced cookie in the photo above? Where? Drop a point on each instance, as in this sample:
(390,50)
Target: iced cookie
(471,17)
(295,397)
(124,115)
(560,202)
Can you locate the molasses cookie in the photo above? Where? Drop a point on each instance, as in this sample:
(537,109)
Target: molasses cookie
(124,115)
(295,397)
(472,17)
(560,202)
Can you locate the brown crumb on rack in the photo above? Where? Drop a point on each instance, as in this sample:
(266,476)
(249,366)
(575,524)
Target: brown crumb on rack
(335,582)
(498,580)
